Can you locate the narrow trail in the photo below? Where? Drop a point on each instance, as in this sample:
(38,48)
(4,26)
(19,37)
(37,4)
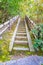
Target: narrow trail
(21,37)
(21,40)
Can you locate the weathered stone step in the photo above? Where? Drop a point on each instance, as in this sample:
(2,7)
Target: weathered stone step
(21,42)
(24,37)
(23,27)
(21,48)
(21,30)
(22,24)
(11,33)
(21,33)
(21,38)
(21,45)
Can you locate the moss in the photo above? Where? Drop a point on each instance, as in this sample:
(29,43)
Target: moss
(21,45)
(4,43)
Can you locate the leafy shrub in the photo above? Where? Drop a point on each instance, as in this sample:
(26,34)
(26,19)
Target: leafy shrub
(38,44)
(38,41)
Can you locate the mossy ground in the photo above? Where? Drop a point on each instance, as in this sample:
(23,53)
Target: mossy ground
(4,43)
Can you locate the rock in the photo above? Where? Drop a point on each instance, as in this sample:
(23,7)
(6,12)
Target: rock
(31,60)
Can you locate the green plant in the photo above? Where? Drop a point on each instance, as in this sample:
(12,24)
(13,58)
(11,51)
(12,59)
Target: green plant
(10,8)
(38,44)
(41,64)
(38,41)
(4,54)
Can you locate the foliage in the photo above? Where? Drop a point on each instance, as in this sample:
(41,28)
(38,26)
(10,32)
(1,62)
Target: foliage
(9,8)
(41,64)
(4,54)
(31,8)
(38,43)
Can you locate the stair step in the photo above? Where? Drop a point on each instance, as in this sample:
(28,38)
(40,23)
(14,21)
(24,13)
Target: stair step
(21,48)
(21,33)
(10,33)
(22,29)
(21,45)
(22,26)
(21,42)
(24,37)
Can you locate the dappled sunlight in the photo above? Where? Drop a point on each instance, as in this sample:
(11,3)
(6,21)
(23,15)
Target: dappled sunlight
(21,29)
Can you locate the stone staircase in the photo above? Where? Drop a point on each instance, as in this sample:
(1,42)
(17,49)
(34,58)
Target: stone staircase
(21,39)
(21,42)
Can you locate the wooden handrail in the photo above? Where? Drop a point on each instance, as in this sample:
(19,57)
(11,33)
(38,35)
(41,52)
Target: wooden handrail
(29,38)
(4,27)
(31,25)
